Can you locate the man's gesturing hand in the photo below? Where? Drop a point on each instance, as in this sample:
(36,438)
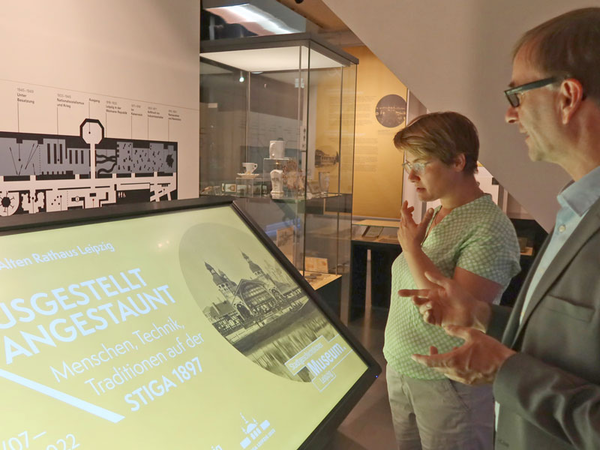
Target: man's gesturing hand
(475,362)
(449,304)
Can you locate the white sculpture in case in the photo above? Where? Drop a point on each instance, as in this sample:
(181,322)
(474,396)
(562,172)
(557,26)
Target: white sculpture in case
(277,182)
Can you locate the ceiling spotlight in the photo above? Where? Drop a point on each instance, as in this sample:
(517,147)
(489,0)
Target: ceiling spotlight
(241,77)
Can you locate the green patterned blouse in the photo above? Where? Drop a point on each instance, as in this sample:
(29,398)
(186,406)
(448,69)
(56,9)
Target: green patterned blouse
(477,237)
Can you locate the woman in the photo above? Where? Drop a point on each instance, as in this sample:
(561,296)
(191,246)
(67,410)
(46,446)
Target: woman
(467,238)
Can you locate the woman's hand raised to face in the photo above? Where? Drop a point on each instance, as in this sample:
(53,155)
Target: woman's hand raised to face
(411,234)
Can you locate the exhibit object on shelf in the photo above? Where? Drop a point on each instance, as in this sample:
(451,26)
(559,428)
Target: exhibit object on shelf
(323,159)
(319,265)
(277,149)
(324,179)
(248,175)
(277,182)
(285,241)
(229,188)
(293,179)
(313,188)
(162,311)
(372,232)
(245,180)
(249,167)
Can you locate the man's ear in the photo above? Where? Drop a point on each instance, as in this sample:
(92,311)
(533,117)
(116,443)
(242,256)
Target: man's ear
(459,162)
(571,96)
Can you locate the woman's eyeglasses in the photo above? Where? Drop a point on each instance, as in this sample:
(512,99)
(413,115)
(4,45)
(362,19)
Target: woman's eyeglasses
(417,167)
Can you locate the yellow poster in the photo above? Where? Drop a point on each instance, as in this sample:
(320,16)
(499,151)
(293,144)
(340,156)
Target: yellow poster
(174,331)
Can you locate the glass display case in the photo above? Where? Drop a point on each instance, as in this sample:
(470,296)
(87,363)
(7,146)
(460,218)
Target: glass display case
(277,131)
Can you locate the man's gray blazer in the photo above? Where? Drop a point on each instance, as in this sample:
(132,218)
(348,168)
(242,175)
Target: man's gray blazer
(549,392)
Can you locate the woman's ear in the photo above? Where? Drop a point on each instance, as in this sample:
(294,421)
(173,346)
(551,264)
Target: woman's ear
(459,162)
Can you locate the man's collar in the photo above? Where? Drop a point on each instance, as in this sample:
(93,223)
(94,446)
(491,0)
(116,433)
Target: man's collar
(581,194)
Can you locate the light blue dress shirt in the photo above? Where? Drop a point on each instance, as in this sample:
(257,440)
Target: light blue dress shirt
(575,201)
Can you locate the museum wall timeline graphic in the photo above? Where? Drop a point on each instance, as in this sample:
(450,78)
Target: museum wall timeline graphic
(62,150)
(55,173)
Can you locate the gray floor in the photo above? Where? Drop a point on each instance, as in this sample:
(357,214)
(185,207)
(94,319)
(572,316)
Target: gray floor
(369,425)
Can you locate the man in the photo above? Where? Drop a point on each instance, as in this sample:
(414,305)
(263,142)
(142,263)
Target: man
(546,372)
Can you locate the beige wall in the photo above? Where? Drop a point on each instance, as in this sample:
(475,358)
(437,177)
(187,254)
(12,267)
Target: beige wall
(377,163)
(456,55)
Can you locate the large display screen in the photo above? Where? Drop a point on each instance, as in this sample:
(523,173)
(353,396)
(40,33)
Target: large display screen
(178,330)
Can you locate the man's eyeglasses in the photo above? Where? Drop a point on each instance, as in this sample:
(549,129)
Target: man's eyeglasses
(417,167)
(512,94)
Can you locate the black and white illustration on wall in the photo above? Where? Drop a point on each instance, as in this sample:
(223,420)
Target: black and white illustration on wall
(323,158)
(391,111)
(43,172)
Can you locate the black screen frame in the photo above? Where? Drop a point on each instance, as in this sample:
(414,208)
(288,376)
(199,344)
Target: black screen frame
(321,435)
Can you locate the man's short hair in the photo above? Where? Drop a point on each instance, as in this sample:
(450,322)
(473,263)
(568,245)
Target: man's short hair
(443,135)
(568,46)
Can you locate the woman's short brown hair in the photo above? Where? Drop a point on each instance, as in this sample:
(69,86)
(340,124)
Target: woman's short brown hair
(443,135)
